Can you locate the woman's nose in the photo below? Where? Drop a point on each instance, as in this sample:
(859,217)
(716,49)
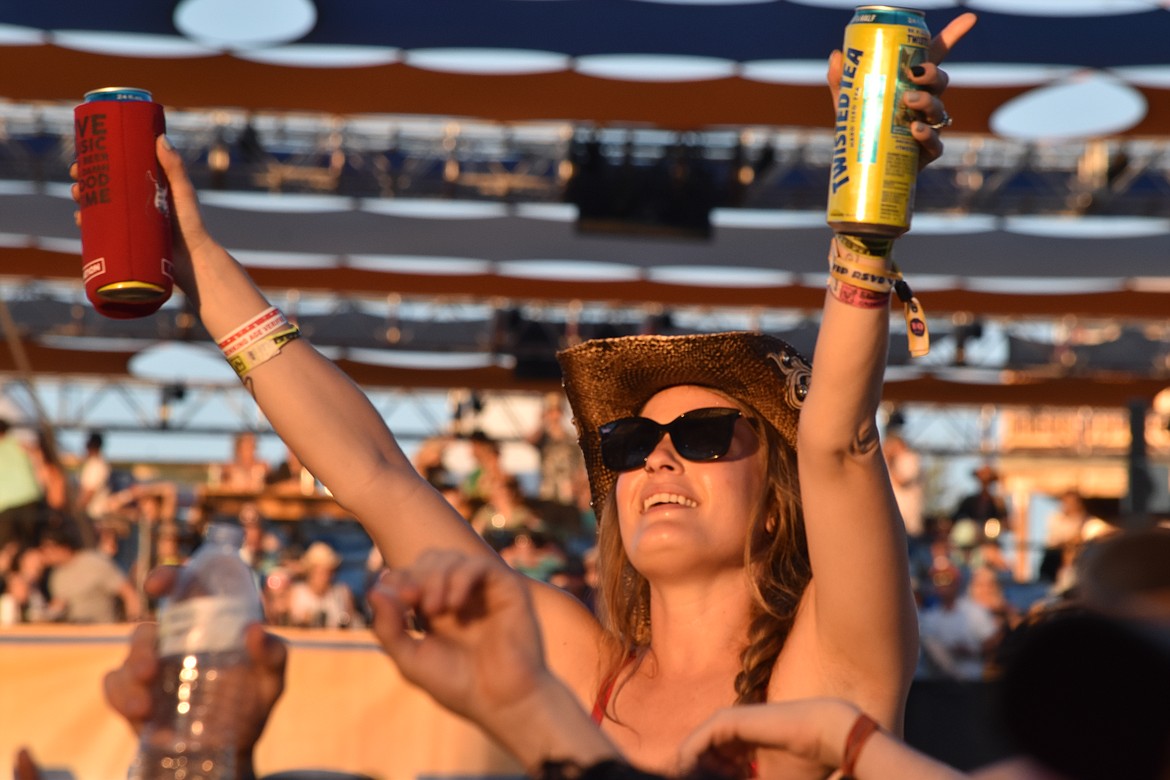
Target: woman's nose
(664,455)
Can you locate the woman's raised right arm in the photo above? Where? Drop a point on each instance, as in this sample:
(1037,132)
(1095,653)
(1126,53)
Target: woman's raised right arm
(333,428)
(315,408)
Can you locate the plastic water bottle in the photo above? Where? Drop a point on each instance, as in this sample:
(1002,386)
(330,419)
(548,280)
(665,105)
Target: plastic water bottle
(202,665)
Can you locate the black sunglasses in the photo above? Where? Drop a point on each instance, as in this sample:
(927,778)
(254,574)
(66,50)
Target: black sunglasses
(700,434)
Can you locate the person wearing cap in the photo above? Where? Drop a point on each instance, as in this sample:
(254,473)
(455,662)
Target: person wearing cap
(733,570)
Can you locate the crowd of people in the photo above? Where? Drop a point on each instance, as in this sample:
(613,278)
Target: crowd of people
(72,536)
(971,591)
(78,539)
(1089,673)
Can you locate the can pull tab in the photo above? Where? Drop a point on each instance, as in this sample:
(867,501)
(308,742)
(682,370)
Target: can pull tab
(917,331)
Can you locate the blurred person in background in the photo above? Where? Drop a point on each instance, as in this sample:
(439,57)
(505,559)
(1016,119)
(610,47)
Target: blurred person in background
(318,600)
(570,577)
(246,472)
(1062,533)
(506,511)
(488,473)
(25,584)
(291,476)
(133,516)
(57,509)
(428,460)
(261,549)
(905,467)
(984,505)
(20,492)
(984,589)
(560,457)
(168,550)
(85,586)
(957,633)
(459,500)
(534,555)
(277,596)
(93,480)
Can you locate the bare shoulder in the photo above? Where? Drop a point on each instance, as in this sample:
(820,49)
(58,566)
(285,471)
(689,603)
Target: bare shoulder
(574,641)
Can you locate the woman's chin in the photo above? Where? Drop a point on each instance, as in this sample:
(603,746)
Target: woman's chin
(669,549)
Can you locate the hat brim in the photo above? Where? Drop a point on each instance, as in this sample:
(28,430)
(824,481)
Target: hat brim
(606,379)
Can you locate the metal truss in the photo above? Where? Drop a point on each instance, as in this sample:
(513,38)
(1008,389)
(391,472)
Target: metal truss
(395,156)
(443,157)
(74,405)
(487,329)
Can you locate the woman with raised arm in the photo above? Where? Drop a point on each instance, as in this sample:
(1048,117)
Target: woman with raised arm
(733,569)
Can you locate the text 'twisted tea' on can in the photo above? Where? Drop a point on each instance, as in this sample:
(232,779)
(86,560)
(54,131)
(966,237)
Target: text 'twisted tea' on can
(123,195)
(875,158)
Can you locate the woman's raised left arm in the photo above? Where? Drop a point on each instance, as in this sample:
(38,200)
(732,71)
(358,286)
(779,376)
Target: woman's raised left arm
(866,626)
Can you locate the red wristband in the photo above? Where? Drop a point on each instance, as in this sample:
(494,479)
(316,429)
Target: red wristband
(857,296)
(863,729)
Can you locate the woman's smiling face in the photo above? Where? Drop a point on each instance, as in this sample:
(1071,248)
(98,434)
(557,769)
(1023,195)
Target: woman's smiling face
(678,515)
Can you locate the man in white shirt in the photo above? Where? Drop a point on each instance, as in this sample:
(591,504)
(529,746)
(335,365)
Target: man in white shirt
(94,479)
(957,633)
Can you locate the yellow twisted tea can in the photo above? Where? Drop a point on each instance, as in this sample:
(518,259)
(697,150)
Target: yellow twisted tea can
(875,158)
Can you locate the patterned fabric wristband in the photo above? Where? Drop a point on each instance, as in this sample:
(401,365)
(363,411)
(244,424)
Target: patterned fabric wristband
(858,297)
(862,274)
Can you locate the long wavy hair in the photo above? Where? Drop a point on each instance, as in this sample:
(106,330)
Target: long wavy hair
(775,556)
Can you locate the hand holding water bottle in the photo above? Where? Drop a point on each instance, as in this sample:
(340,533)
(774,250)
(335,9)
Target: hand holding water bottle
(200,699)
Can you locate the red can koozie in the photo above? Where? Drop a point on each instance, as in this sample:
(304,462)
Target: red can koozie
(125,211)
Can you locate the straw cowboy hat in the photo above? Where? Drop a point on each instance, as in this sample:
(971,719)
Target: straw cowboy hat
(607,379)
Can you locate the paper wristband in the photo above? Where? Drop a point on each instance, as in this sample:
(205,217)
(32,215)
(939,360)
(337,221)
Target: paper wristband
(263,351)
(266,322)
(866,272)
(265,331)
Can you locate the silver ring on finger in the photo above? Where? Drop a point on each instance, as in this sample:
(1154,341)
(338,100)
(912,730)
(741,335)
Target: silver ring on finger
(946,121)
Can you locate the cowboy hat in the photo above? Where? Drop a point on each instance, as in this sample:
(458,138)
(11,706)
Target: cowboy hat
(607,379)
